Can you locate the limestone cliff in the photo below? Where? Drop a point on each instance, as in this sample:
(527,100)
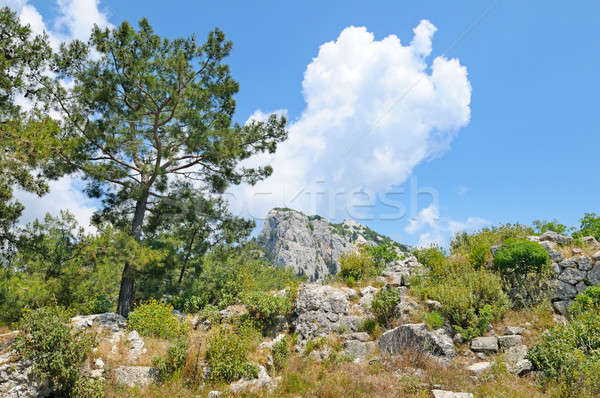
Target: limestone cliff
(311,244)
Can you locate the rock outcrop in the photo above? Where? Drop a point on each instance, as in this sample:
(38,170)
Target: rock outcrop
(573,274)
(417,337)
(310,244)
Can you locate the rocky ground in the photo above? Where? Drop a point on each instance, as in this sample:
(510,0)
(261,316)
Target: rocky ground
(335,312)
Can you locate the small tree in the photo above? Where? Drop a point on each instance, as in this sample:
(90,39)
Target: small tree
(144,111)
(589,225)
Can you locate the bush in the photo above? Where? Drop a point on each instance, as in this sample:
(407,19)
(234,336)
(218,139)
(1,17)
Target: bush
(519,257)
(570,355)
(369,325)
(589,226)
(155,319)
(264,308)
(57,352)
(226,355)
(281,353)
(174,361)
(384,304)
(471,298)
(480,256)
(464,243)
(588,300)
(433,320)
(382,255)
(356,266)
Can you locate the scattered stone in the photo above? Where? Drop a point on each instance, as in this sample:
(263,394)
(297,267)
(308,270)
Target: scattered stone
(269,344)
(458,339)
(214,394)
(479,367)
(584,263)
(433,305)
(99,363)
(109,320)
(581,286)
(263,381)
(136,345)
(590,240)
(593,275)
(516,353)
(521,367)
(509,340)
(555,237)
(450,394)
(360,336)
(596,256)
(359,350)
(17,381)
(484,344)
(568,263)
(565,290)
(134,375)
(572,276)
(509,330)
(555,268)
(562,306)
(417,337)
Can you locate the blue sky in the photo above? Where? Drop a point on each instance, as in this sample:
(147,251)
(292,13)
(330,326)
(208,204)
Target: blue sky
(527,150)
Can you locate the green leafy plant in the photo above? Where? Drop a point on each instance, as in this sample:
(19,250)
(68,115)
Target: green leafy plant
(174,361)
(589,226)
(281,353)
(518,257)
(480,256)
(382,255)
(57,351)
(588,300)
(356,266)
(570,354)
(156,319)
(369,325)
(433,320)
(265,308)
(384,305)
(471,298)
(226,355)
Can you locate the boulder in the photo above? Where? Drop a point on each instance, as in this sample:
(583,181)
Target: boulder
(479,368)
(263,381)
(556,238)
(521,367)
(136,345)
(359,350)
(565,290)
(484,344)
(109,320)
(18,381)
(593,275)
(568,263)
(450,394)
(322,309)
(572,276)
(514,354)
(510,330)
(590,240)
(134,375)
(584,263)
(417,337)
(562,306)
(509,340)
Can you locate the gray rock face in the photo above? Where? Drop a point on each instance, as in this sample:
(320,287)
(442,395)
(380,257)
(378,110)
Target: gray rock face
(321,309)
(479,368)
(134,375)
(263,381)
(18,381)
(417,337)
(450,394)
(310,245)
(359,350)
(484,344)
(509,340)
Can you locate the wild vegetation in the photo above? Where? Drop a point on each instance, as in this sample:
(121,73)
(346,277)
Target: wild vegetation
(148,124)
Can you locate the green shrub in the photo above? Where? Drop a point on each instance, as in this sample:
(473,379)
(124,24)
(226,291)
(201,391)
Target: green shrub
(471,298)
(433,320)
(264,308)
(431,257)
(356,266)
(281,353)
(369,325)
(226,355)
(57,351)
(588,300)
(384,304)
(518,257)
(156,319)
(174,361)
(589,226)
(382,255)
(314,344)
(480,256)
(570,355)
(464,242)
(350,281)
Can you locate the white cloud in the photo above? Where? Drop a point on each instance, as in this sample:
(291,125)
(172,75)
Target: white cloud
(74,21)
(374,110)
(437,230)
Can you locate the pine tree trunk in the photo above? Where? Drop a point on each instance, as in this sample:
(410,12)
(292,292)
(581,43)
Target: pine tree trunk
(127,290)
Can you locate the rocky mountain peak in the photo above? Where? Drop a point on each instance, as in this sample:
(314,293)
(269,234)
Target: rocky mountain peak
(312,245)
